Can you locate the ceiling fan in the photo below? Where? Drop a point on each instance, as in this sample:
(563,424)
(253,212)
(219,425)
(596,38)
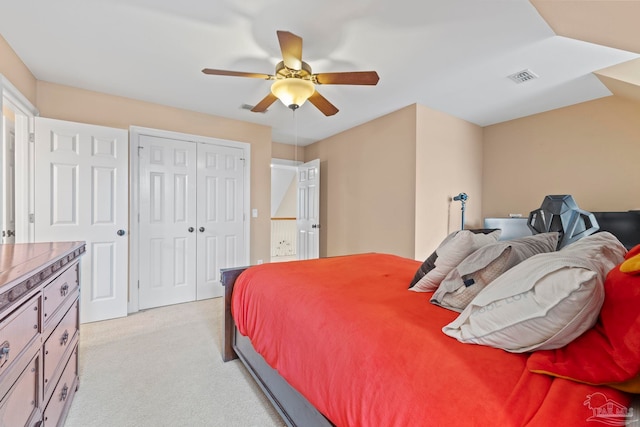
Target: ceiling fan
(294,82)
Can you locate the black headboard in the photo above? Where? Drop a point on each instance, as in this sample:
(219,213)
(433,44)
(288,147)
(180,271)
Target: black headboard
(624,225)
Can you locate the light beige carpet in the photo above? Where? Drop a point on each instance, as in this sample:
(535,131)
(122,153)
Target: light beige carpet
(163,367)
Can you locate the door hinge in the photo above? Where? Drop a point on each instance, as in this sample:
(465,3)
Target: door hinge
(138,284)
(32,218)
(32,137)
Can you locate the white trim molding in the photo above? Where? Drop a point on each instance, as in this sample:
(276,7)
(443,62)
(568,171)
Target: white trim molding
(24,112)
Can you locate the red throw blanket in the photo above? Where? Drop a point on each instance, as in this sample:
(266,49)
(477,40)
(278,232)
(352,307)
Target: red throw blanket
(365,351)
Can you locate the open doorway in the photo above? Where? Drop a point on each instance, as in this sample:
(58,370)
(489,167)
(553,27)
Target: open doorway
(16,165)
(283,210)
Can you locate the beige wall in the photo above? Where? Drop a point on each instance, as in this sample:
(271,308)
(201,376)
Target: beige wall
(289,205)
(367,186)
(72,104)
(448,162)
(287,151)
(590,150)
(12,67)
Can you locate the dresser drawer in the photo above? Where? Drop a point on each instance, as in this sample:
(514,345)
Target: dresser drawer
(39,331)
(63,392)
(58,345)
(16,332)
(20,404)
(58,290)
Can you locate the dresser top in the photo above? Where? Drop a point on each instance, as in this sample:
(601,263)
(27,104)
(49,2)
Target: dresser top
(21,260)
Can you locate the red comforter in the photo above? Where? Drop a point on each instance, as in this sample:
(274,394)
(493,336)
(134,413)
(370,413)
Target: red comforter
(365,351)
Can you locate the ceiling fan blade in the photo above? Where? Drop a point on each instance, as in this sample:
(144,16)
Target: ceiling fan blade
(348,78)
(265,103)
(236,74)
(291,47)
(321,103)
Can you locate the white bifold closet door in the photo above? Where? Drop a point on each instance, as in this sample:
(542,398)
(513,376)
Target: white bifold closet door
(191,218)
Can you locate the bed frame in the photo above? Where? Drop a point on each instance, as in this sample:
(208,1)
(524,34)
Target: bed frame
(294,409)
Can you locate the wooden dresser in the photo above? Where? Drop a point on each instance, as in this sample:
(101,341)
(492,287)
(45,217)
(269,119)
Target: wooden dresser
(39,289)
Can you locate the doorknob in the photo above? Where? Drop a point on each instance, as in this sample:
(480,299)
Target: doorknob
(201,229)
(120,232)
(190,229)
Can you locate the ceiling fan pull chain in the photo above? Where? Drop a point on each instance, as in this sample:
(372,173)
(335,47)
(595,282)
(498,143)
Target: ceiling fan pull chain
(295,129)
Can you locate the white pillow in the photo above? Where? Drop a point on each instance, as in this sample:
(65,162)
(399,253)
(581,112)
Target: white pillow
(486,264)
(544,302)
(451,253)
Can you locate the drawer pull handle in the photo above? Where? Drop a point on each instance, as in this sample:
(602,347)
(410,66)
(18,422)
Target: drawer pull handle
(64,289)
(4,353)
(64,338)
(63,393)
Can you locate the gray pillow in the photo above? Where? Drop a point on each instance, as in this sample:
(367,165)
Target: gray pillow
(453,249)
(483,266)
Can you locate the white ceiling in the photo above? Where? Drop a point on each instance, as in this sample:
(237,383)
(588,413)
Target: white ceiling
(449,55)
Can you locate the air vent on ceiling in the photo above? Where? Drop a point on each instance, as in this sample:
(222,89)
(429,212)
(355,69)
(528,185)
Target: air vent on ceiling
(523,76)
(250,107)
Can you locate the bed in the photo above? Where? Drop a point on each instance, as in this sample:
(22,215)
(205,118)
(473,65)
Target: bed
(343,341)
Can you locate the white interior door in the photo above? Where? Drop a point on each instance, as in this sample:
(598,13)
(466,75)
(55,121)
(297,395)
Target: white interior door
(220,205)
(81,193)
(168,172)
(7,175)
(308,218)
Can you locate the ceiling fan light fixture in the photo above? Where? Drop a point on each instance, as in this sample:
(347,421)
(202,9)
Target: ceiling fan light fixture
(293,92)
(294,82)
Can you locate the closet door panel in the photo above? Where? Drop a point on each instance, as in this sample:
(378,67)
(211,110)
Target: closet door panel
(167,221)
(220,214)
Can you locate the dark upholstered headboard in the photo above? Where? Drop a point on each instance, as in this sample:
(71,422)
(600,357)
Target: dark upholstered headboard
(624,225)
